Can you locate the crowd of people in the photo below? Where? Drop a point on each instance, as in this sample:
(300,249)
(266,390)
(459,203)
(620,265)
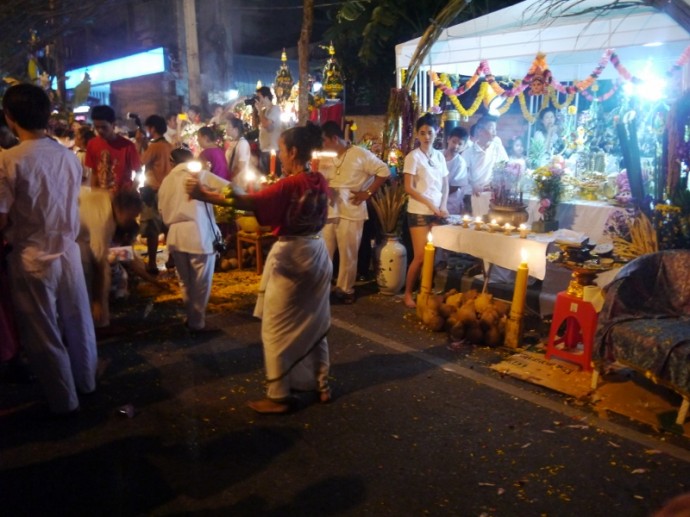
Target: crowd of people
(59,234)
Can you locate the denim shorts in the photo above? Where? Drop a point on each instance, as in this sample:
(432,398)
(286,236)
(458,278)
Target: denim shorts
(414,220)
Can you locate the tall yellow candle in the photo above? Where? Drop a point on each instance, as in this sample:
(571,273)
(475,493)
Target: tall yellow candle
(428,265)
(517,309)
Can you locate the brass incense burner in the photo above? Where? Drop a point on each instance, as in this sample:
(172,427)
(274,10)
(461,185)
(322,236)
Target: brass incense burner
(584,264)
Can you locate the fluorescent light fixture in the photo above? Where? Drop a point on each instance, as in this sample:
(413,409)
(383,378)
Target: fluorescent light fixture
(136,65)
(653,44)
(82,109)
(233,94)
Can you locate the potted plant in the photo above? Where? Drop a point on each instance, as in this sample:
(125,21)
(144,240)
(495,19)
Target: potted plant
(389,205)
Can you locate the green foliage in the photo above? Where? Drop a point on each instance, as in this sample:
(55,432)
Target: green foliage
(365,33)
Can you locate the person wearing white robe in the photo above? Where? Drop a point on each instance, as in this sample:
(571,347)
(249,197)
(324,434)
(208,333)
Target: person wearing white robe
(39,216)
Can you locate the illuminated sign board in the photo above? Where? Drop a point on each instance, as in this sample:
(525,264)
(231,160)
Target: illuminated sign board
(136,65)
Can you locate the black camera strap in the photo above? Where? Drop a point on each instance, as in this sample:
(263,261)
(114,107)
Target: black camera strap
(217,237)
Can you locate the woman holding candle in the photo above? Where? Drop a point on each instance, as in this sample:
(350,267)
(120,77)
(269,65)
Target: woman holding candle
(426,183)
(293,301)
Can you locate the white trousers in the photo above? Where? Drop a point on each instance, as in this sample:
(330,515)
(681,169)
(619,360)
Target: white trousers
(295,312)
(195,273)
(344,235)
(55,326)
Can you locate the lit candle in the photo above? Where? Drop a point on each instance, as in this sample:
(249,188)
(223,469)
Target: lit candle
(493,225)
(315,161)
(194,166)
(508,228)
(250,177)
(517,308)
(466,221)
(428,266)
(272,168)
(478,223)
(523,231)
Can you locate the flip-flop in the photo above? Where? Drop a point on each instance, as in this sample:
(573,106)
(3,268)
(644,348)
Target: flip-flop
(270,407)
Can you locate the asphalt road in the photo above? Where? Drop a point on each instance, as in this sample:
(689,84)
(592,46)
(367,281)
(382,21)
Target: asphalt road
(416,428)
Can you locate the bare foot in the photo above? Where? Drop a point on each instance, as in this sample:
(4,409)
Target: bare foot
(269,407)
(409,302)
(325,396)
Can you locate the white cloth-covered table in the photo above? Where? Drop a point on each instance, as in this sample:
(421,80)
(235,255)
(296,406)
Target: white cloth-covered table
(578,215)
(495,248)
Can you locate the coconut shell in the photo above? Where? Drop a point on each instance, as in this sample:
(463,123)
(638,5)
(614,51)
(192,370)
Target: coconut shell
(474,335)
(436,322)
(493,337)
(471,294)
(448,294)
(489,319)
(451,320)
(455,300)
(501,306)
(483,301)
(446,310)
(434,302)
(466,314)
(457,332)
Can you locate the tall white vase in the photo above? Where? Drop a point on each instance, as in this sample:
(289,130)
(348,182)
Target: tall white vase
(392,266)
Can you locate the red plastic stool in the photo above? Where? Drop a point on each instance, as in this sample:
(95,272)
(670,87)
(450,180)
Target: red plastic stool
(580,324)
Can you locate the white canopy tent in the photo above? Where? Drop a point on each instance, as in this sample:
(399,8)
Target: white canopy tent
(647,42)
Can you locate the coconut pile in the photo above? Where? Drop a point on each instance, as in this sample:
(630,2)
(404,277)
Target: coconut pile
(473,317)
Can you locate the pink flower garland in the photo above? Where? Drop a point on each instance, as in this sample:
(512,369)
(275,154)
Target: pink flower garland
(604,97)
(539,64)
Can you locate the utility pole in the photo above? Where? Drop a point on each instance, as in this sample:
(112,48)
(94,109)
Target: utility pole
(192,45)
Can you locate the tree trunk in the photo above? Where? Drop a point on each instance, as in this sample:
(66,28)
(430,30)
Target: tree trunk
(303,50)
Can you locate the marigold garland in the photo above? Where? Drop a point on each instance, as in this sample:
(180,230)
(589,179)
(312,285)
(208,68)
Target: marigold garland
(553,95)
(446,89)
(525,111)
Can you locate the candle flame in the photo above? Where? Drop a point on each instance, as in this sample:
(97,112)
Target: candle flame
(524,255)
(430,238)
(523,227)
(194,166)
(273,152)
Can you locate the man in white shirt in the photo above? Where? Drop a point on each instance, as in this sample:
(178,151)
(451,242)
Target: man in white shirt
(192,231)
(39,216)
(458,181)
(481,158)
(270,128)
(355,174)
